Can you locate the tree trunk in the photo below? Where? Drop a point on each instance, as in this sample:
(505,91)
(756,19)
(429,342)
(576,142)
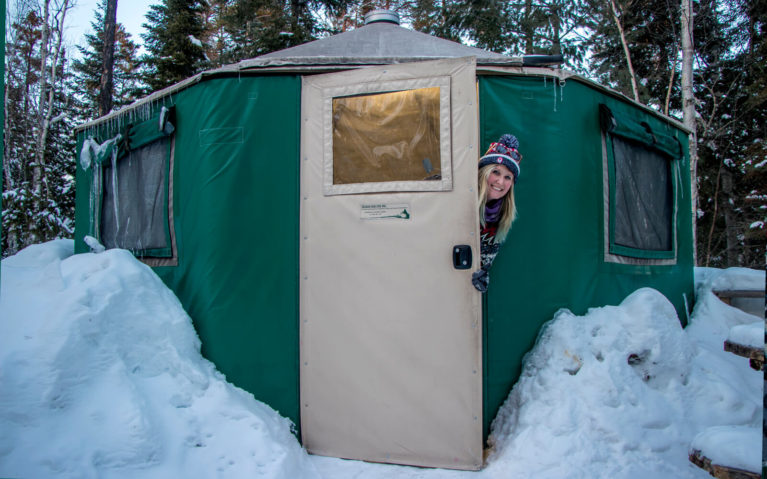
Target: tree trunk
(556,28)
(296,11)
(47,94)
(37,168)
(688,110)
(730,222)
(9,182)
(632,75)
(107,69)
(670,81)
(713,217)
(529,30)
(10,235)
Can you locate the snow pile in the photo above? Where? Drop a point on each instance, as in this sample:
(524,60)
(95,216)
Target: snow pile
(713,319)
(729,279)
(622,391)
(751,335)
(102,376)
(736,446)
(608,392)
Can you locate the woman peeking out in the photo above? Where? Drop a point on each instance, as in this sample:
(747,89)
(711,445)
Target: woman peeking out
(498,172)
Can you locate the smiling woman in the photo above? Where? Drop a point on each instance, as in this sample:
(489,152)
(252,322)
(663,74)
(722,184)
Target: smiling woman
(498,172)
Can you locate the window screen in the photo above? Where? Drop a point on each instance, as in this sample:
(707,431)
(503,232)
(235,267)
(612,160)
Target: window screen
(640,213)
(391,136)
(643,197)
(133,189)
(134,205)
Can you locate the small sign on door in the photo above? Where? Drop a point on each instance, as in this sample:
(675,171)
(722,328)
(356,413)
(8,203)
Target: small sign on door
(379,211)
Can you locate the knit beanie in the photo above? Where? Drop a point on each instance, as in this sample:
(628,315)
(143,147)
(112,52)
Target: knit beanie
(504,152)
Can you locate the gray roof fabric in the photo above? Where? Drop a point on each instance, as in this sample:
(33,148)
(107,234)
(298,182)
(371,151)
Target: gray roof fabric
(380,43)
(375,44)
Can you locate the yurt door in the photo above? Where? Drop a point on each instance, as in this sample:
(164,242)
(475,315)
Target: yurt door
(390,325)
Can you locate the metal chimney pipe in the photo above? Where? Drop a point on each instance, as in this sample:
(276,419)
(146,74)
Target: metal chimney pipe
(386,16)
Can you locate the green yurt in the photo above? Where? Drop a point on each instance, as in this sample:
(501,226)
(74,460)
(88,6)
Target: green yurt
(315,211)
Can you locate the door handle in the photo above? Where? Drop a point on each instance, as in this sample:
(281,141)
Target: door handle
(462,256)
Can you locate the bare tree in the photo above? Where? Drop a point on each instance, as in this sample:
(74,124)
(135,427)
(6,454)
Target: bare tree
(48,84)
(624,43)
(688,108)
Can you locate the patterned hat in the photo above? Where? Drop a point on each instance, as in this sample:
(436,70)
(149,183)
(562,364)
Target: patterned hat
(505,152)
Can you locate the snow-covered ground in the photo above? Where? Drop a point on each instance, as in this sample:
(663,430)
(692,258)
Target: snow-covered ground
(101,376)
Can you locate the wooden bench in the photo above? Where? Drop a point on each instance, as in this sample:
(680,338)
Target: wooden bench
(751,301)
(728,294)
(755,355)
(722,472)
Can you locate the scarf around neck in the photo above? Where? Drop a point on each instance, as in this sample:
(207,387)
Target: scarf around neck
(493,211)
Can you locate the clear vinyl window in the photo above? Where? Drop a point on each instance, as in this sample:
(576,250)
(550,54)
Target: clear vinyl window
(132,188)
(134,212)
(382,137)
(640,174)
(388,137)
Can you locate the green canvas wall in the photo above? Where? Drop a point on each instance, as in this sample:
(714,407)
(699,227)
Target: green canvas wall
(236,211)
(553,257)
(236,223)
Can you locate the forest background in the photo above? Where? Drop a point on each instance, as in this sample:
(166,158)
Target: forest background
(633,46)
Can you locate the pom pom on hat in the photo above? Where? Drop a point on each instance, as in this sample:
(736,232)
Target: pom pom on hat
(504,152)
(510,141)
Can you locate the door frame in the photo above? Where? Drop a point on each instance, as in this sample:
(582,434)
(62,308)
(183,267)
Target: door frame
(452,340)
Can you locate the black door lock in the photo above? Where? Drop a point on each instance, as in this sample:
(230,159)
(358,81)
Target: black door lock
(462,256)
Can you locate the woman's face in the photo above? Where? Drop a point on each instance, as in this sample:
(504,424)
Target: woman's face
(499,182)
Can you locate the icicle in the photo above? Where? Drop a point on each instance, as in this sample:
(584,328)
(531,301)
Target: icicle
(562,90)
(115,195)
(92,196)
(554,84)
(127,230)
(95,206)
(678,182)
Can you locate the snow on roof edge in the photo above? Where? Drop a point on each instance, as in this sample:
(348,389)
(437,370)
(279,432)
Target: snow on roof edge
(509,65)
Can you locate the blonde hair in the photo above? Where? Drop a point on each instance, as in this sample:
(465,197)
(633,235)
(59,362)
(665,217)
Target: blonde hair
(508,207)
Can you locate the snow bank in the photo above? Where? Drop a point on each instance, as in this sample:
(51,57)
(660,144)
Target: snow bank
(729,279)
(605,391)
(751,335)
(621,392)
(102,376)
(733,446)
(712,319)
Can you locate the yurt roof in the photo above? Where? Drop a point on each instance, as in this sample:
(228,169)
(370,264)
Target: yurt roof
(381,41)
(376,43)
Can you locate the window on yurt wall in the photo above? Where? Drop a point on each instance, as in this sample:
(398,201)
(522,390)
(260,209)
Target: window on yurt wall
(640,203)
(135,210)
(387,137)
